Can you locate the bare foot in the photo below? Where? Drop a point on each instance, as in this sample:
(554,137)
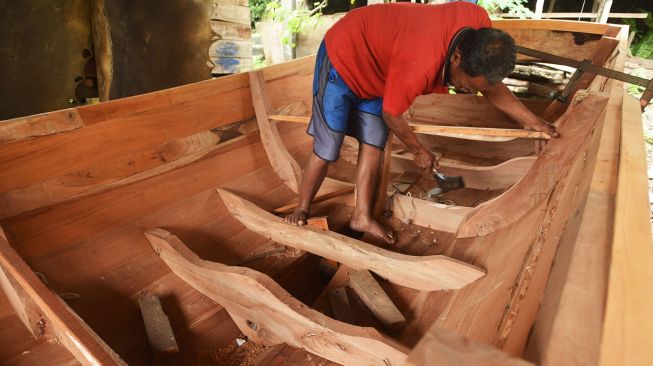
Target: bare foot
(298,217)
(370,226)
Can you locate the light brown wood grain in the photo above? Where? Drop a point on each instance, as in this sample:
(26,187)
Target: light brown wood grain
(628,327)
(39,125)
(368,290)
(443,347)
(428,273)
(283,163)
(268,314)
(69,329)
(539,182)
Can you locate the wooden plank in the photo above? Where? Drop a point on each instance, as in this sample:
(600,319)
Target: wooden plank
(443,347)
(465,110)
(70,330)
(541,179)
(231,65)
(471,133)
(553,25)
(110,174)
(231,48)
(133,124)
(267,314)
(231,13)
(23,305)
(340,306)
(39,125)
(429,214)
(226,30)
(157,326)
(628,327)
(376,300)
(427,273)
(283,163)
(576,46)
(570,320)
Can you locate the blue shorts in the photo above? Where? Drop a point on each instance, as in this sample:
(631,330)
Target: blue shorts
(337,112)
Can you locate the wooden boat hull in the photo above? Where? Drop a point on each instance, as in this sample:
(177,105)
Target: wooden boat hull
(75,202)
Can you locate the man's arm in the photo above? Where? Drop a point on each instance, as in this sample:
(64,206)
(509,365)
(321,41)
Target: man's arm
(501,97)
(399,126)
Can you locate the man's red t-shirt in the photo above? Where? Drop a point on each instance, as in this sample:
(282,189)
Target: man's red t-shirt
(397,51)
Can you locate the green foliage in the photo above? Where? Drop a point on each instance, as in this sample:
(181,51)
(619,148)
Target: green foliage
(642,45)
(297,21)
(259,62)
(513,7)
(637,90)
(257,9)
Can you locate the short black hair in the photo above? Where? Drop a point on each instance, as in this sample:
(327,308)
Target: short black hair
(488,52)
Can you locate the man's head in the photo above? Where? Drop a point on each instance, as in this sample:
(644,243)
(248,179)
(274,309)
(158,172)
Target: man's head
(483,57)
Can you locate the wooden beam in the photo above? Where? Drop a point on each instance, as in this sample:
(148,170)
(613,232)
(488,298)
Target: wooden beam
(157,327)
(69,329)
(553,25)
(366,287)
(267,314)
(39,125)
(426,273)
(383,179)
(469,133)
(552,15)
(443,347)
(628,326)
(541,179)
(283,163)
(340,306)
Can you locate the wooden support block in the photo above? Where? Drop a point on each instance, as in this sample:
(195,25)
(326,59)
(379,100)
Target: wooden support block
(319,222)
(157,326)
(340,305)
(376,300)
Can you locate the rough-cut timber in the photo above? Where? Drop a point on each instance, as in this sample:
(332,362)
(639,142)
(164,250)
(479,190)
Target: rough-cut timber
(366,287)
(157,326)
(428,273)
(268,314)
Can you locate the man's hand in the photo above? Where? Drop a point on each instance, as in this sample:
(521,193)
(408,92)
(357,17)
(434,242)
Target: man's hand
(542,126)
(424,159)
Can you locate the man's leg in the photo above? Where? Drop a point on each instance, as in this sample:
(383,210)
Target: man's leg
(362,220)
(312,178)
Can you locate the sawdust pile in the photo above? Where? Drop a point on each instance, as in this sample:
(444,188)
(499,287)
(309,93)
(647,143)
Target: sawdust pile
(231,355)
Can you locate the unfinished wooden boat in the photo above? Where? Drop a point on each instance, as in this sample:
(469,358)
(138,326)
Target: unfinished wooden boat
(544,258)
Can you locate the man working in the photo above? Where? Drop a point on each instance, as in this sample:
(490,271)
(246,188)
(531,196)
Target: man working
(372,65)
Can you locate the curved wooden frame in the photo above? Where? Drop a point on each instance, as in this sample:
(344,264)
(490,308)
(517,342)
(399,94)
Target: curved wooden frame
(266,313)
(426,273)
(541,179)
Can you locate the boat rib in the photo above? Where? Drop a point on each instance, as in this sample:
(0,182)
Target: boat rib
(267,314)
(426,273)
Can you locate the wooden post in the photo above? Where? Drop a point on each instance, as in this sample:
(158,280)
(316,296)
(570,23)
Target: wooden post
(382,192)
(539,5)
(366,287)
(157,327)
